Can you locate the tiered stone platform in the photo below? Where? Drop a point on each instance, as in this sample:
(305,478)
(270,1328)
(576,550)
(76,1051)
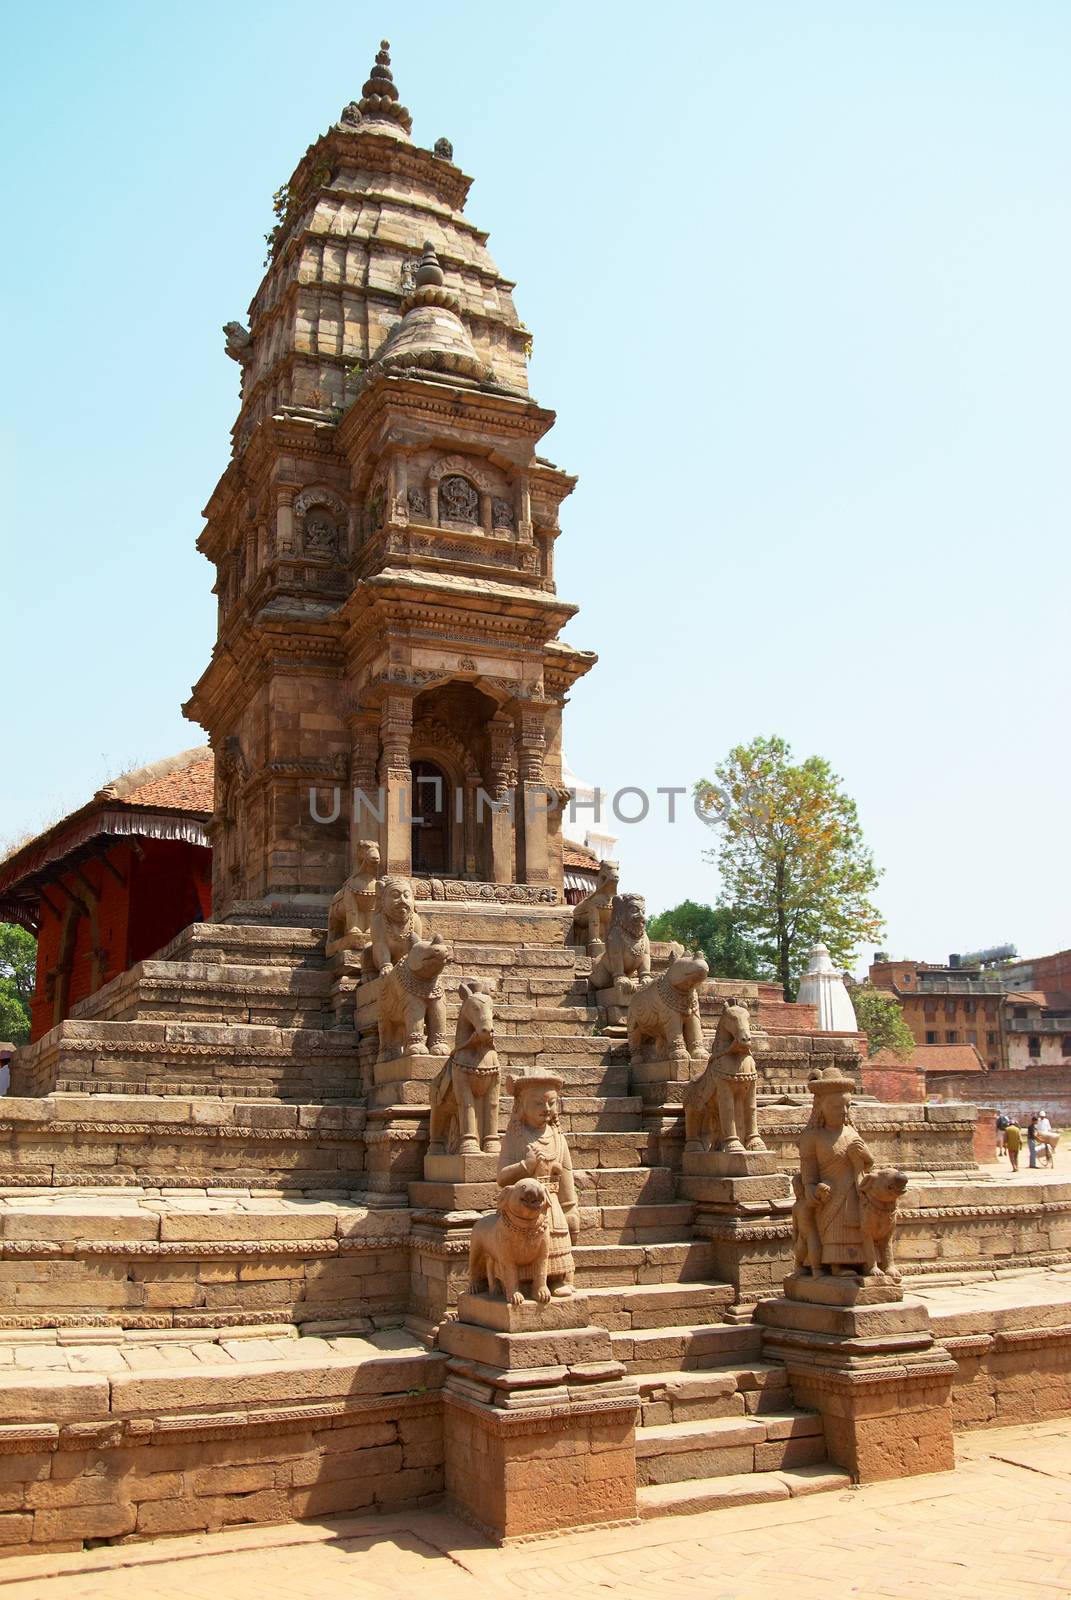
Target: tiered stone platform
(224,1265)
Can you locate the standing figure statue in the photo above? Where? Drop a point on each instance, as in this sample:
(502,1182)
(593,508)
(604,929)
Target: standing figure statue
(845,1212)
(534,1147)
(721,1106)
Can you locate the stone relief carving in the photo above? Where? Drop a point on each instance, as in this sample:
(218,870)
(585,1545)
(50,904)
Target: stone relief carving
(443,149)
(626,961)
(663,1017)
(417,501)
(321,535)
(844,1217)
(591,916)
(721,1107)
(464,1096)
(535,1147)
(458,501)
(411,1013)
(502,515)
(349,918)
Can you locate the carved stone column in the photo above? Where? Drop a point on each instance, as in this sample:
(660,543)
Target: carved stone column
(532,797)
(501,780)
(284,523)
(366,808)
(486,511)
(395,781)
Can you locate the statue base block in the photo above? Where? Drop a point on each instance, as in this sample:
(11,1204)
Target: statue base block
(745,1220)
(844,1289)
(538,1419)
(729,1163)
(873,1371)
(462,1168)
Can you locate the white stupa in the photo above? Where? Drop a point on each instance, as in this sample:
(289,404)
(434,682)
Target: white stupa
(823,987)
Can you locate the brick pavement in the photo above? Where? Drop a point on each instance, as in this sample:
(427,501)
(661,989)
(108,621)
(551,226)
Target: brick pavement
(1000,1523)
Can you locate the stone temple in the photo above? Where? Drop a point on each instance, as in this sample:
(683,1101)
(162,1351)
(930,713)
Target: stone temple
(401,1177)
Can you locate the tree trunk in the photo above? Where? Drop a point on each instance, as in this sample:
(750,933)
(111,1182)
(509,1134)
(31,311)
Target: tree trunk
(783,971)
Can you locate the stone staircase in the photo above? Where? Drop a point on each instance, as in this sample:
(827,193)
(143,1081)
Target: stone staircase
(190,1170)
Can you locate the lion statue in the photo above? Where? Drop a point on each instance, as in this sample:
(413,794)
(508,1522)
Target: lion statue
(626,961)
(395,925)
(663,1016)
(591,916)
(464,1096)
(511,1246)
(349,919)
(412,1016)
(720,1106)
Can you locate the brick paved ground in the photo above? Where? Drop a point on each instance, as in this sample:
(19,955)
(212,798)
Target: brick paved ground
(1000,1525)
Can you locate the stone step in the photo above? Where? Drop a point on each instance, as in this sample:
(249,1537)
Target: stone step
(688,1347)
(718,1446)
(655,1305)
(668,1223)
(719,1392)
(149,1258)
(127,1140)
(614,1264)
(166,1433)
(739,1489)
(599,1113)
(622,1186)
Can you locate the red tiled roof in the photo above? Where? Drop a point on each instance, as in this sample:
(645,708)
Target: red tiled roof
(933,1058)
(578,855)
(181,783)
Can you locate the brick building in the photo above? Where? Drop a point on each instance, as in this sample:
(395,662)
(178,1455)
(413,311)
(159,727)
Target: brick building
(948,1005)
(111,883)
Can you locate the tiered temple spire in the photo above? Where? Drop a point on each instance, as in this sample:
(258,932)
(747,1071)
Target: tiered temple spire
(379,102)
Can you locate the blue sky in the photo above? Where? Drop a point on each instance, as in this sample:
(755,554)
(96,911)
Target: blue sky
(798,280)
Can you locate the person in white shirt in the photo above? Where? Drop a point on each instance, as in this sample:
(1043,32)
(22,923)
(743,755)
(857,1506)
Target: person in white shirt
(1045,1138)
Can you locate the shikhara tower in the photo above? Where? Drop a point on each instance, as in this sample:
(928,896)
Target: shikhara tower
(383,539)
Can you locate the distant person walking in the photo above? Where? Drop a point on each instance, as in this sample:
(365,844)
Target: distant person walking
(1013,1143)
(1046,1139)
(1032,1139)
(1002,1123)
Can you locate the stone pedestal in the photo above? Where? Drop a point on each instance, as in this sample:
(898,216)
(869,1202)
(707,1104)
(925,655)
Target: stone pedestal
(863,1355)
(613,1004)
(345,969)
(538,1419)
(453,1193)
(742,1207)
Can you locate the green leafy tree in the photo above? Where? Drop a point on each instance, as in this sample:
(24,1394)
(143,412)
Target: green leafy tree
(18,964)
(795,869)
(716,931)
(882,1020)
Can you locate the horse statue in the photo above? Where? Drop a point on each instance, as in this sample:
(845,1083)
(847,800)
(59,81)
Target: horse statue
(464,1095)
(720,1106)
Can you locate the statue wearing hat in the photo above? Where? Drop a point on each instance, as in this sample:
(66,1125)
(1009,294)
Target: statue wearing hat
(534,1147)
(833,1158)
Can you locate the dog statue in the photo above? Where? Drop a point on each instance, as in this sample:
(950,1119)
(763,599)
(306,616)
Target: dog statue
(879,1192)
(464,1095)
(511,1245)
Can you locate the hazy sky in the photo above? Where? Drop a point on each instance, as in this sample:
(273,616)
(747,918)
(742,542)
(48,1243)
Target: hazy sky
(798,279)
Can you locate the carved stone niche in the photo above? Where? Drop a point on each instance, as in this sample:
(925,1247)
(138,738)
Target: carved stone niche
(321,516)
(459,501)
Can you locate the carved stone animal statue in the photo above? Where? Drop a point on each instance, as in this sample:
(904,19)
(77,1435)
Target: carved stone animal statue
(720,1111)
(591,916)
(879,1192)
(663,1017)
(349,919)
(626,961)
(806,1243)
(464,1096)
(512,1245)
(412,1016)
(395,924)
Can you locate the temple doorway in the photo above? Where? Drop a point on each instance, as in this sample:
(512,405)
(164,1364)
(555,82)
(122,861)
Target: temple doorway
(431,819)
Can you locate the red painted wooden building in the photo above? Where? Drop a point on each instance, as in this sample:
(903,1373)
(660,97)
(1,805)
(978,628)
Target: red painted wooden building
(113,882)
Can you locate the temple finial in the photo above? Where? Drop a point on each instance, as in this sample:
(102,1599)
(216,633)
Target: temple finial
(429,270)
(379,109)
